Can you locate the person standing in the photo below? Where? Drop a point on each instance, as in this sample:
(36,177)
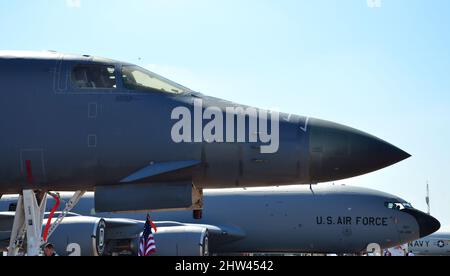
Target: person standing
(49,250)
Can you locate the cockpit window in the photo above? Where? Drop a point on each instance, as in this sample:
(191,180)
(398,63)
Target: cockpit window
(398,205)
(408,205)
(94,77)
(137,78)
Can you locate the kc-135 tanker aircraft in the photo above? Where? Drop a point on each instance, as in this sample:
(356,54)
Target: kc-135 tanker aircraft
(142,142)
(298,219)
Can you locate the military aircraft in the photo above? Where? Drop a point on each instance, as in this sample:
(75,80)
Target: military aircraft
(437,244)
(324,219)
(83,123)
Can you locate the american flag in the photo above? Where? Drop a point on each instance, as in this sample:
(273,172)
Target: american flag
(147,245)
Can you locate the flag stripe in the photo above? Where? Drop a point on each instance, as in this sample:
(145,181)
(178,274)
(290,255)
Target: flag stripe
(147,244)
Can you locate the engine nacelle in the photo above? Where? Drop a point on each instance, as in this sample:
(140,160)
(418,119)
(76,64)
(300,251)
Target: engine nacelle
(179,241)
(80,236)
(90,236)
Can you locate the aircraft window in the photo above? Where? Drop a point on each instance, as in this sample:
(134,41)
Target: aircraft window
(136,78)
(398,206)
(94,77)
(408,205)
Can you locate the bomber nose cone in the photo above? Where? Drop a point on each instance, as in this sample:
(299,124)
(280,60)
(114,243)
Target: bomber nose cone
(340,152)
(427,224)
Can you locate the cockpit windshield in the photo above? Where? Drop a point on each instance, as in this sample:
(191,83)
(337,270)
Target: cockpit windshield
(137,78)
(399,205)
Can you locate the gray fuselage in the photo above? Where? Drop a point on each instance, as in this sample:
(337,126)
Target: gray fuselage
(56,135)
(329,219)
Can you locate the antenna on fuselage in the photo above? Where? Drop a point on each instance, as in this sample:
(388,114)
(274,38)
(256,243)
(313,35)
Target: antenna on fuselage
(427,198)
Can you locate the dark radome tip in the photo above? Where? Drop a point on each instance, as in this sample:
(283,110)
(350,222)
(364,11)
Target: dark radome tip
(403,155)
(431,225)
(339,152)
(388,154)
(427,224)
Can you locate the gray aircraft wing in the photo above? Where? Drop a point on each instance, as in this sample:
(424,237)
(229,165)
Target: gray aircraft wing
(218,234)
(126,229)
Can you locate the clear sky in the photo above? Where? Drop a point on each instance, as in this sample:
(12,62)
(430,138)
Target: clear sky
(383,70)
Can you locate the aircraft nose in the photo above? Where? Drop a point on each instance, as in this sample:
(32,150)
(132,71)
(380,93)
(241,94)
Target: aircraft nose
(427,224)
(340,152)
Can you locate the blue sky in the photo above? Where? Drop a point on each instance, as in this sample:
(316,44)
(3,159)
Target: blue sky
(382,70)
